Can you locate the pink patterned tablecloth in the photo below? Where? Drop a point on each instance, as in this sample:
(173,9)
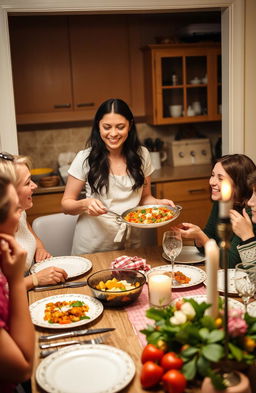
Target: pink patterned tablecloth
(137,311)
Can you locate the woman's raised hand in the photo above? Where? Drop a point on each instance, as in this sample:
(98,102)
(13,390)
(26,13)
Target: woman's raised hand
(241,224)
(13,257)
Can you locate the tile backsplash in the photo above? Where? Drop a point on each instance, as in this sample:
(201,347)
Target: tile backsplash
(44,146)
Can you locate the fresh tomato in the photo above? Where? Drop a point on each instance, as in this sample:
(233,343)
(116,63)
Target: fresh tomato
(151,352)
(151,374)
(179,303)
(174,381)
(171,361)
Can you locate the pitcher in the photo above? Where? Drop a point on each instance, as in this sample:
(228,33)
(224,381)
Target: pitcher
(157,157)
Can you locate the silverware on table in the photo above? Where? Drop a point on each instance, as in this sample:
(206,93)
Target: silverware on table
(74,333)
(46,352)
(68,284)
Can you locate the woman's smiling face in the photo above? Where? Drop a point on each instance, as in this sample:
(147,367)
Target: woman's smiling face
(25,186)
(114,130)
(218,174)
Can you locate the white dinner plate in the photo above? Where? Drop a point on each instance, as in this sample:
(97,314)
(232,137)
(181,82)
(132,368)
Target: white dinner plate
(203,298)
(73,266)
(251,309)
(86,368)
(188,255)
(37,310)
(196,275)
(231,281)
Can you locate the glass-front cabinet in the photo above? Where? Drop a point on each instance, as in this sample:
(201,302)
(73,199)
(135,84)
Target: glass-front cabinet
(182,83)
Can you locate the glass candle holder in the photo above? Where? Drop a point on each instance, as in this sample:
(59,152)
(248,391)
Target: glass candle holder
(159,289)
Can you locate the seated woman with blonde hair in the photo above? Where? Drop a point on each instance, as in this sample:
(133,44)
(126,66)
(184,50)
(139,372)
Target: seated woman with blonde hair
(16,329)
(17,168)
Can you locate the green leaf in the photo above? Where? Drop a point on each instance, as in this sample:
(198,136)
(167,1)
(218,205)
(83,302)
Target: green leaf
(208,322)
(85,317)
(217,380)
(187,353)
(203,365)
(236,352)
(204,333)
(77,304)
(213,352)
(189,369)
(215,336)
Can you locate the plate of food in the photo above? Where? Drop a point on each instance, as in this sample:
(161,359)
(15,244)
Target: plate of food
(150,216)
(73,266)
(94,368)
(65,311)
(231,281)
(232,303)
(188,255)
(184,276)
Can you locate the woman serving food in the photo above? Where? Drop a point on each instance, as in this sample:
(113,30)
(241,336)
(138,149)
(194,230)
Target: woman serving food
(115,170)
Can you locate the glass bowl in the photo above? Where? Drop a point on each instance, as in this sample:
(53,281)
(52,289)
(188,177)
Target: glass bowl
(111,297)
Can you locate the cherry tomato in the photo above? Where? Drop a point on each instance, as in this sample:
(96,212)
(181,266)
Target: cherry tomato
(171,361)
(174,381)
(151,352)
(151,374)
(178,304)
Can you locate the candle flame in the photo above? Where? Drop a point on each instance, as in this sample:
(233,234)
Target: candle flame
(226,190)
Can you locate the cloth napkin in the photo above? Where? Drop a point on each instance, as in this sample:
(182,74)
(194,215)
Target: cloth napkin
(135,263)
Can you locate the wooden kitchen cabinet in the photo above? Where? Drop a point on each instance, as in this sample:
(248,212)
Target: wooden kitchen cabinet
(44,204)
(64,67)
(185,75)
(194,198)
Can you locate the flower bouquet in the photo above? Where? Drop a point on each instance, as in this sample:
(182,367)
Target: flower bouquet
(199,339)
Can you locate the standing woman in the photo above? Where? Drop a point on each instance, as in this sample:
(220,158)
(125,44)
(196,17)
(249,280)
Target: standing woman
(115,170)
(17,168)
(16,329)
(236,168)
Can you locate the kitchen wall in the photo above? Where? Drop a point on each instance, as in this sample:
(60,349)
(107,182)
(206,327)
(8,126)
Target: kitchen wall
(44,146)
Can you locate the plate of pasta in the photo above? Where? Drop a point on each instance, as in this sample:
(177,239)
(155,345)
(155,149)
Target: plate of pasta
(65,311)
(151,216)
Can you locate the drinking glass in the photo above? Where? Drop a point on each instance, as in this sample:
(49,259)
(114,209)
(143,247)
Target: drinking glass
(245,281)
(172,245)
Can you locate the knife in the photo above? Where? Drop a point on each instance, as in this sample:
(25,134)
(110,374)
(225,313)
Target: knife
(69,284)
(64,343)
(83,332)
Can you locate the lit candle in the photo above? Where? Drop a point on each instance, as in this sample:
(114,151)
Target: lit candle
(226,202)
(159,289)
(212,265)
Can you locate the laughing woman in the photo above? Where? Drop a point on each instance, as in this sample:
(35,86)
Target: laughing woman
(16,329)
(115,171)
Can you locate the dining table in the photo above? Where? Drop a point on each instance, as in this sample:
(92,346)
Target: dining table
(127,321)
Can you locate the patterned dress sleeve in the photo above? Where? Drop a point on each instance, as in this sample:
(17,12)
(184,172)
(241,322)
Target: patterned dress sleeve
(247,250)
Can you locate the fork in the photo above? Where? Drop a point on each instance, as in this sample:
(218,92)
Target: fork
(46,352)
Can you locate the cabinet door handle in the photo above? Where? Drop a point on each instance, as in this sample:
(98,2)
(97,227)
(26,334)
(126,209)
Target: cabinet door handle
(59,106)
(197,191)
(85,104)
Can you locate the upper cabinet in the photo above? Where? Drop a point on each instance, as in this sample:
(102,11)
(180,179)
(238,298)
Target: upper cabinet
(182,83)
(64,67)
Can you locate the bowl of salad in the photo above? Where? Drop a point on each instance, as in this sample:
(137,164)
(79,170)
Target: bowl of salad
(116,287)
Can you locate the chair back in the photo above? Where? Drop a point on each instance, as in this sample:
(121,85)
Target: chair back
(56,232)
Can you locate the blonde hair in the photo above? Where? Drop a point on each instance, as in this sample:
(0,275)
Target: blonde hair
(8,166)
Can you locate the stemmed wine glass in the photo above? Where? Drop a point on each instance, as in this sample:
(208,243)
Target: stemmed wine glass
(245,281)
(172,245)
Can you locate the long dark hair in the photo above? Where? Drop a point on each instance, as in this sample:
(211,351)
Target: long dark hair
(4,200)
(98,158)
(239,167)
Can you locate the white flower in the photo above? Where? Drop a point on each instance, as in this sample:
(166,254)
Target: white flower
(188,309)
(178,318)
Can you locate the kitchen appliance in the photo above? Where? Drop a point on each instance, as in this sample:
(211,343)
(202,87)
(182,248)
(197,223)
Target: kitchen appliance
(190,152)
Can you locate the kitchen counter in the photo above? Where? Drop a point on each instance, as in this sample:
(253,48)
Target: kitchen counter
(165,174)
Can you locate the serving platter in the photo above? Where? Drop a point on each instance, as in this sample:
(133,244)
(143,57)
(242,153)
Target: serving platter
(73,266)
(174,210)
(188,255)
(196,275)
(233,303)
(37,310)
(86,368)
